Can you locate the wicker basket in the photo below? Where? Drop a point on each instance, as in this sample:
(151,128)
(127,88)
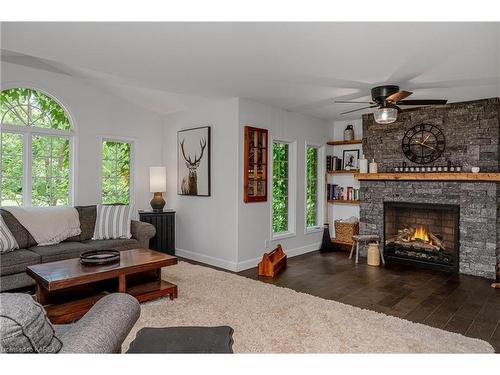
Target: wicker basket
(344,231)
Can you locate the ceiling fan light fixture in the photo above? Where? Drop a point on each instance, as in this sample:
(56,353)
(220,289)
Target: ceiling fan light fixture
(386,115)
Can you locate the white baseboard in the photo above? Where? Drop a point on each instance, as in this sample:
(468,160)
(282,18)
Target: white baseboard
(217,262)
(246,264)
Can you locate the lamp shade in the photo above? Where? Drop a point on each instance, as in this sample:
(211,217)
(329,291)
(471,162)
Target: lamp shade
(386,115)
(157,179)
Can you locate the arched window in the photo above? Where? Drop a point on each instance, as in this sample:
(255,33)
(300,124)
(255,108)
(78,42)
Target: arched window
(36,150)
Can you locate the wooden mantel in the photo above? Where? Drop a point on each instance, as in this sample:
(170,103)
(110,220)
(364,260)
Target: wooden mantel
(428,176)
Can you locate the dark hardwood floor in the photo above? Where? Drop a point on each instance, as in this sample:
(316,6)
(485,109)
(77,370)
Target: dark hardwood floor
(457,303)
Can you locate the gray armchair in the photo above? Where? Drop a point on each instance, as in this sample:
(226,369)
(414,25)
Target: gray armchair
(103,328)
(25,327)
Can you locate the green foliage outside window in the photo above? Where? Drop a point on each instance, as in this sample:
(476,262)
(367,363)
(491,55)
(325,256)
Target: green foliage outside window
(50,155)
(312,186)
(27,107)
(280,187)
(50,171)
(115,172)
(12,169)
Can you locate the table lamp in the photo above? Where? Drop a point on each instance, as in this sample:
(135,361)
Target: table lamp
(157,185)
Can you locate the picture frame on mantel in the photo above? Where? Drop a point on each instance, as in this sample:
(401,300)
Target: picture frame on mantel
(193,161)
(255,168)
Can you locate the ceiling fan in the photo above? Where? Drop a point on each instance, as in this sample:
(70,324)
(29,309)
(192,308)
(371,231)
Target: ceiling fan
(387,99)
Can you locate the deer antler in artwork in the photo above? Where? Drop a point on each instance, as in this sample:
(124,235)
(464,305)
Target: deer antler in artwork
(203,144)
(188,160)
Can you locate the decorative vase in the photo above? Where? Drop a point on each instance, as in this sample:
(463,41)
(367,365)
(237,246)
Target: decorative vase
(373,256)
(373,167)
(363,165)
(349,133)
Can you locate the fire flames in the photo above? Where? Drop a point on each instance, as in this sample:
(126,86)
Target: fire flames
(420,234)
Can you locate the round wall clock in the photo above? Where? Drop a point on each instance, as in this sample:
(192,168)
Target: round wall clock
(423,143)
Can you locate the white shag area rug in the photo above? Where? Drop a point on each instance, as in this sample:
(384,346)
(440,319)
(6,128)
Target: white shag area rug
(271,319)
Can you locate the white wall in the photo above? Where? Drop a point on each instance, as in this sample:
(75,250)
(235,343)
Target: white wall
(254,219)
(340,211)
(207,227)
(96,113)
(222,230)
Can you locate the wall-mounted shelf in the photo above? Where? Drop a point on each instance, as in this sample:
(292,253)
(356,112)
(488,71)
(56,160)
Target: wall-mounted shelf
(342,209)
(343,201)
(430,176)
(340,143)
(354,171)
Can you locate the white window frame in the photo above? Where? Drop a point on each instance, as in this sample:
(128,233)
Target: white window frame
(292,188)
(131,142)
(28,133)
(321,188)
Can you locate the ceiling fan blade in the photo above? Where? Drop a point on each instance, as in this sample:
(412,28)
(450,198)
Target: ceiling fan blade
(311,106)
(313,80)
(351,101)
(422,102)
(485,81)
(400,95)
(359,109)
(358,95)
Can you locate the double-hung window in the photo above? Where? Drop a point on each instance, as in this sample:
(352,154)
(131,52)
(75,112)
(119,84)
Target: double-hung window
(116,172)
(36,150)
(312,188)
(283,203)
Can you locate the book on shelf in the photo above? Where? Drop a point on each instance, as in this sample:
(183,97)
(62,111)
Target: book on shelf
(333,163)
(335,192)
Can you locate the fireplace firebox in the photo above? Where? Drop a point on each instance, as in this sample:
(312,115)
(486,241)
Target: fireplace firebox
(425,235)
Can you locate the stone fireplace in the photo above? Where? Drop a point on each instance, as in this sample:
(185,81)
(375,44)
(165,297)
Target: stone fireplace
(472,131)
(478,202)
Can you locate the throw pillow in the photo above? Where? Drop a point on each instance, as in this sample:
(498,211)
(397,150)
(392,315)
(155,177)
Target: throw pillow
(7,240)
(24,326)
(23,238)
(87,216)
(112,222)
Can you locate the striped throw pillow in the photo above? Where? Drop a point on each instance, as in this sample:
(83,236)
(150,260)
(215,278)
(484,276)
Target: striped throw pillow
(112,222)
(7,240)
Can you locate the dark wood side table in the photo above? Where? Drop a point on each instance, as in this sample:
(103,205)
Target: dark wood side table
(164,222)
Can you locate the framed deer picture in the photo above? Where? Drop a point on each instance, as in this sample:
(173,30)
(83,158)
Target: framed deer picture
(193,161)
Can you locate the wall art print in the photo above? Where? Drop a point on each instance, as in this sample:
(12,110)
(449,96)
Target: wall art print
(193,161)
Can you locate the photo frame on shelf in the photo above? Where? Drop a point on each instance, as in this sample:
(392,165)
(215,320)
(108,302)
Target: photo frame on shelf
(350,159)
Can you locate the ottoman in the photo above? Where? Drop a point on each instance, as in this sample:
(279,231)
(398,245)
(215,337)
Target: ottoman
(183,340)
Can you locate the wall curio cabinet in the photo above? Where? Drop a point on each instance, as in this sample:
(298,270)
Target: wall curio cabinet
(255,165)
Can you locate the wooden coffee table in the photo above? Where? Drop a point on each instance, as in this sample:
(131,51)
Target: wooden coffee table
(67,289)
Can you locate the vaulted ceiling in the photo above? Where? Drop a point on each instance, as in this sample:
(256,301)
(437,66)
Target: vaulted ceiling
(296,66)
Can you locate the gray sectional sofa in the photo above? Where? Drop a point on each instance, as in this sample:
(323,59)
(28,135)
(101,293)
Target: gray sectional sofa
(13,264)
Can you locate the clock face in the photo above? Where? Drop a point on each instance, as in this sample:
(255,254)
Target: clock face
(423,143)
